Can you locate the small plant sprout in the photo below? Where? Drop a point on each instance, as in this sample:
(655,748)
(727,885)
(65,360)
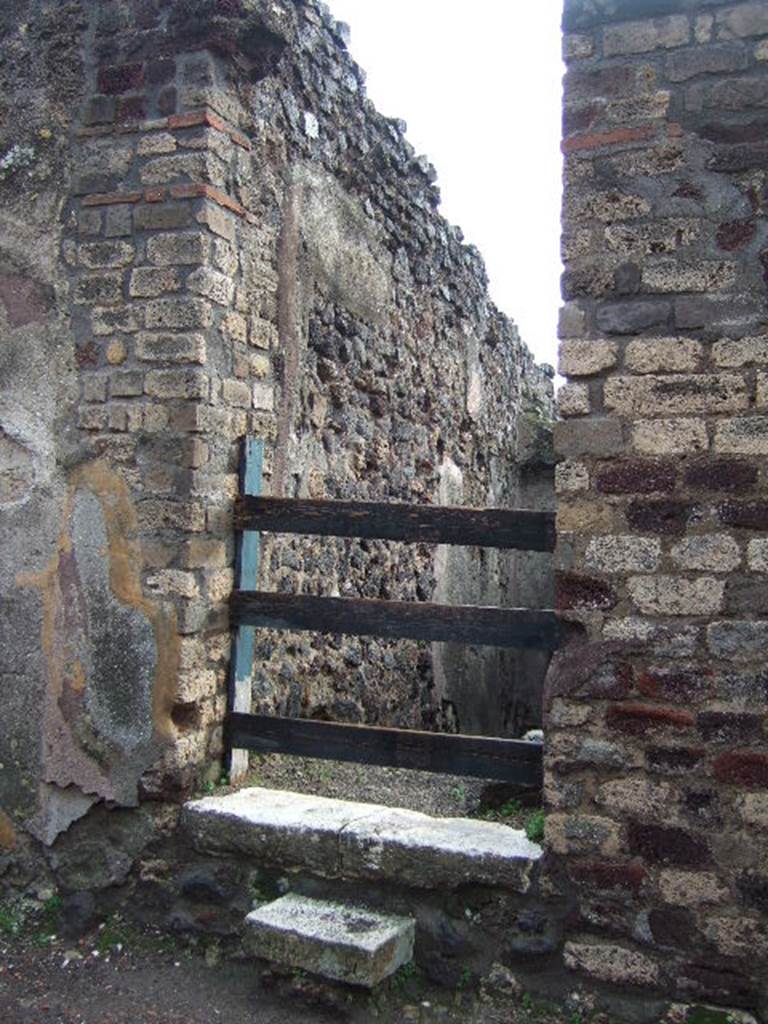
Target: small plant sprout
(465,978)
(534,826)
(13,916)
(403,975)
(510,808)
(9,922)
(52,907)
(459,793)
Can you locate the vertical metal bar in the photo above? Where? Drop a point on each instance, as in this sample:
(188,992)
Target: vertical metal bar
(246,572)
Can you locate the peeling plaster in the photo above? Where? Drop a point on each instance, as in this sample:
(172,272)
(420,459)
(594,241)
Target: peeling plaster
(27,459)
(111,656)
(61,807)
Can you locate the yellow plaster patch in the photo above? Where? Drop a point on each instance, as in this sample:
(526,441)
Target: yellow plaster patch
(7,834)
(78,680)
(64,666)
(116,353)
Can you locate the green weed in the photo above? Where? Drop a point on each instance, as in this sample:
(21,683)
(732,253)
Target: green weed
(112,934)
(465,979)
(403,975)
(510,808)
(707,1015)
(12,919)
(534,826)
(23,916)
(459,793)
(52,908)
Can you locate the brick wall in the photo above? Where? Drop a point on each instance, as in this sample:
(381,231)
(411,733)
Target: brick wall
(173,356)
(657,757)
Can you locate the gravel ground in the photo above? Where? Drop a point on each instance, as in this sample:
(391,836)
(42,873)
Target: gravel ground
(447,796)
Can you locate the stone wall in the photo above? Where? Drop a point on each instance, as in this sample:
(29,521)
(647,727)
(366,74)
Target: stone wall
(657,760)
(207,230)
(396,379)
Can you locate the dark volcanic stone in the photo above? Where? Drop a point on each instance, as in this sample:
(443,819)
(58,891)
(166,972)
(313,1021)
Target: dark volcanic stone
(78,913)
(632,317)
(659,844)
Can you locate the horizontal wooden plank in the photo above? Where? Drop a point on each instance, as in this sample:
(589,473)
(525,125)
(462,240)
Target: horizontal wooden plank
(480,756)
(523,529)
(412,620)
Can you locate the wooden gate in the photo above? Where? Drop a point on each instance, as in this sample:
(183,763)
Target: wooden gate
(486,757)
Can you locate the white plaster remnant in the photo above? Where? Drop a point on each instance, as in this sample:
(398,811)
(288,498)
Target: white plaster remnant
(474,393)
(311,125)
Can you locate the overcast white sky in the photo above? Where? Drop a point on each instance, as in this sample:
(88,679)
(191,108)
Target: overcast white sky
(479,87)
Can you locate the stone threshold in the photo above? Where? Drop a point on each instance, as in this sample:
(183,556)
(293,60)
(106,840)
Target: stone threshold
(347,839)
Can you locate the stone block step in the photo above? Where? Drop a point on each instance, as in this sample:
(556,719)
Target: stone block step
(346,943)
(343,839)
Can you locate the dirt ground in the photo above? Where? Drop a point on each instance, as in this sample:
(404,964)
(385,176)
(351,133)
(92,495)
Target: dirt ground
(148,979)
(42,987)
(119,976)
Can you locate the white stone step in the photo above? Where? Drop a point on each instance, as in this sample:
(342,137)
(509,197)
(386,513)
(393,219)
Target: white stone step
(340,838)
(346,943)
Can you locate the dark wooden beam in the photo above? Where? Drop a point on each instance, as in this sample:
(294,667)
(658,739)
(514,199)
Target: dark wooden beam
(496,627)
(523,529)
(479,756)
